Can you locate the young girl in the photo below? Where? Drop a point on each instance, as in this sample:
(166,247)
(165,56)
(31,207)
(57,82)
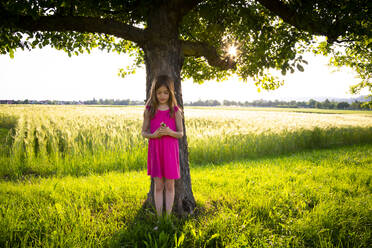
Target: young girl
(162,125)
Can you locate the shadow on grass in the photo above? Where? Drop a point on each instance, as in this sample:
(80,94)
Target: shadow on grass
(147,230)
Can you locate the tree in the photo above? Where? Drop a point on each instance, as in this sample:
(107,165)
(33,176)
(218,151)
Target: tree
(318,105)
(206,39)
(343,105)
(356,105)
(312,103)
(326,104)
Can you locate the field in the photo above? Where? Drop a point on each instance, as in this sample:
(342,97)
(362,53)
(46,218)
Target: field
(74,140)
(74,176)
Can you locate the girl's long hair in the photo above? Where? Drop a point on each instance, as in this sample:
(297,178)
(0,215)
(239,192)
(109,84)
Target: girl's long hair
(152,102)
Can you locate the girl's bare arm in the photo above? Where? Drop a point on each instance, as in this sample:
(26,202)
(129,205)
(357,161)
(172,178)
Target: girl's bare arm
(179,133)
(146,125)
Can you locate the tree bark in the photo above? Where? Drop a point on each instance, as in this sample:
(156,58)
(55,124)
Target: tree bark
(164,56)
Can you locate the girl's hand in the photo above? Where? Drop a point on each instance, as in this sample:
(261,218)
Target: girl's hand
(157,134)
(165,131)
(161,131)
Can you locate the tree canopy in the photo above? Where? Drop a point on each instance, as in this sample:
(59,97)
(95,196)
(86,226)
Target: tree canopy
(268,34)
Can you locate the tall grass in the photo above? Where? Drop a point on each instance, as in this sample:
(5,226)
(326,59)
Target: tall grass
(76,141)
(80,140)
(241,146)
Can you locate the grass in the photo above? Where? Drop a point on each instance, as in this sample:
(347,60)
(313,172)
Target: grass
(318,198)
(81,140)
(74,176)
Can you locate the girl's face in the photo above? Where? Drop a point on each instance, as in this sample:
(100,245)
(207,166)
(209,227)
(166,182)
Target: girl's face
(162,95)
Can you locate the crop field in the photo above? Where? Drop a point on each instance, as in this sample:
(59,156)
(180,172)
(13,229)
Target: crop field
(77,140)
(75,176)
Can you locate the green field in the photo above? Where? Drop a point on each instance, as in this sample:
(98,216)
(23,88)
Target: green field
(74,176)
(79,140)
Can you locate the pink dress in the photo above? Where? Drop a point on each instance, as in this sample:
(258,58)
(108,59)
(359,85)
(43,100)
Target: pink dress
(163,153)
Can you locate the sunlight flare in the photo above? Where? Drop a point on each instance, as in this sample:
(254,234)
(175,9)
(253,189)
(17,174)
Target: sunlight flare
(232,51)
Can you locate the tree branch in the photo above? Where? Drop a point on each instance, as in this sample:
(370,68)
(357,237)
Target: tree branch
(199,49)
(300,21)
(184,6)
(71,23)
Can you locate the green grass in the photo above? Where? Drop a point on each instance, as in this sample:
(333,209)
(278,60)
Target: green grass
(3,139)
(319,198)
(247,146)
(74,176)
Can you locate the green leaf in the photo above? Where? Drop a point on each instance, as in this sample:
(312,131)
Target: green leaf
(216,235)
(11,53)
(300,68)
(180,240)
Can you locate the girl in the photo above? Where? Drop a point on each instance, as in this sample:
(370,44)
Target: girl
(162,125)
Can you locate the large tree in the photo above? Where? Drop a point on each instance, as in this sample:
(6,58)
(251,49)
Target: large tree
(192,39)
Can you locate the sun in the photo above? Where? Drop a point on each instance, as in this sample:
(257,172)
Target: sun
(232,51)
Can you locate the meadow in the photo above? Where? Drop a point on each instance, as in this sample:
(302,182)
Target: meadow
(74,176)
(80,140)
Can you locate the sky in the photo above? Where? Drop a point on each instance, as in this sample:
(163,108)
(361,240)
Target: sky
(49,74)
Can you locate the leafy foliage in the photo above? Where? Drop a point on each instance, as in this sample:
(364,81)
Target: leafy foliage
(268,38)
(264,41)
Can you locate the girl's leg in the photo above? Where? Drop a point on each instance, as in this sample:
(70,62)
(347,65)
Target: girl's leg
(169,195)
(158,195)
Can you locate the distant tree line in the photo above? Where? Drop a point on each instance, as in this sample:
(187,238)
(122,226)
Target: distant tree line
(327,104)
(113,102)
(87,102)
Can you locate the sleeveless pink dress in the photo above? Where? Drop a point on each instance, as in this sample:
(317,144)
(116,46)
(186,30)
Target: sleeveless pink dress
(163,153)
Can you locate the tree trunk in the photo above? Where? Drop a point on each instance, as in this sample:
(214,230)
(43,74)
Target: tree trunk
(163,56)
